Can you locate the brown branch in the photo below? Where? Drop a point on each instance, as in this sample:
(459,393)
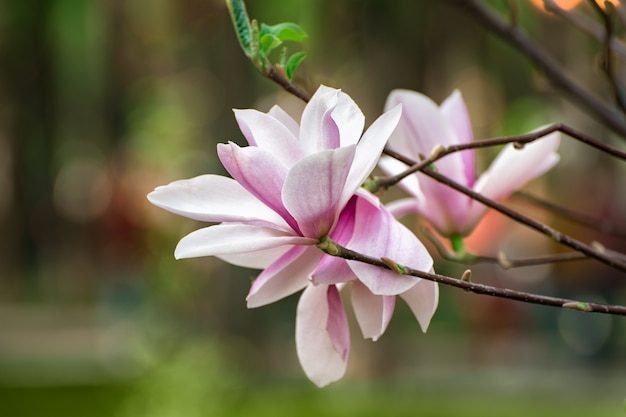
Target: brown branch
(476,288)
(545,63)
(608,65)
(557,236)
(502,260)
(603,225)
(290,87)
(585,24)
(519,140)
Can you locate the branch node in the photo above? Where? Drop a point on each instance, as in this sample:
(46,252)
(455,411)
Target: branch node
(555,235)
(393,265)
(467,276)
(598,246)
(518,145)
(578,305)
(504,261)
(328,246)
(437,151)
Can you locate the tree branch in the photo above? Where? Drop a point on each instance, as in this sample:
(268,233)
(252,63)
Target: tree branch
(281,80)
(585,24)
(545,63)
(345,253)
(502,259)
(559,237)
(518,140)
(608,65)
(603,225)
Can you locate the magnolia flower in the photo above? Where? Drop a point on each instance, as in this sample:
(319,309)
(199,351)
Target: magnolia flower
(422,127)
(293,187)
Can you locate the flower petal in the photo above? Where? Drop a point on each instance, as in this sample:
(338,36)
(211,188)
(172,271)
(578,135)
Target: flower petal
(369,149)
(332,270)
(444,207)
(402,207)
(259,259)
(259,172)
(410,184)
(322,337)
(422,299)
(313,188)
(373,312)
(267,132)
(422,127)
(318,129)
(212,198)
(512,169)
(378,234)
(454,110)
(227,238)
(286,275)
(349,119)
(279,114)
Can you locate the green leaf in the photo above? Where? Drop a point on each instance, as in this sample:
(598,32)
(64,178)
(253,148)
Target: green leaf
(284,31)
(293,63)
(241,22)
(267,43)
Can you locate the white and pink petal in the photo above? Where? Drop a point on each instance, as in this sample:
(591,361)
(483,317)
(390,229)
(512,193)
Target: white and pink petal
(233,238)
(213,198)
(369,149)
(511,170)
(313,189)
(373,312)
(378,234)
(455,111)
(259,172)
(287,275)
(322,335)
(267,132)
(423,299)
(318,129)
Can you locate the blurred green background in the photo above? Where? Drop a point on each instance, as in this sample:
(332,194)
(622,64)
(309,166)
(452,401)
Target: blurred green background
(102,100)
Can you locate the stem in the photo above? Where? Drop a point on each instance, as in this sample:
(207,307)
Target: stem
(387,182)
(545,63)
(603,225)
(608,64)
(476,288)
(585,24)
(457,245)
(281,80)
(501,259)
(554,234)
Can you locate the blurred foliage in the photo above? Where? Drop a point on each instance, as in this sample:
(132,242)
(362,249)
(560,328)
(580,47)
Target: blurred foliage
(101,101)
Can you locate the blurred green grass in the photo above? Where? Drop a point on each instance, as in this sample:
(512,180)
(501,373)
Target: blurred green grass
(199,380)
(290,398)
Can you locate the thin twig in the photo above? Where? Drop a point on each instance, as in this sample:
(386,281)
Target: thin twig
(502,260)
(603,225)
(554,234)
(608,65)
(585,24)
(292,88)
(521,140)
(476,288)
(553,71)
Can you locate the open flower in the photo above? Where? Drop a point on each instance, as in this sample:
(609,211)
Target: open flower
(422,127)
(294,187)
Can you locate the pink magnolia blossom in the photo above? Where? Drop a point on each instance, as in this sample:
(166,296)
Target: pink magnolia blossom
(422,127)
(293,187)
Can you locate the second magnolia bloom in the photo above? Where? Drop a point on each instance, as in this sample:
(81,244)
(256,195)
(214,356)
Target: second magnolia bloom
(422,127)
